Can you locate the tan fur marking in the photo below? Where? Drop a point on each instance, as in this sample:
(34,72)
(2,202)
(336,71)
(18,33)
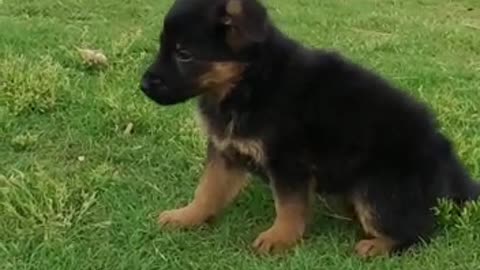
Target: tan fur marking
(218,187)
(234,38)
(374,247)
(293,215)
(221,78)
(366,216)
(249,147)
(287,229)
(234,7)
(339,206)
(381,244)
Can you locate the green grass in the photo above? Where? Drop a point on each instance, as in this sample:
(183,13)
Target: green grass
(78,193)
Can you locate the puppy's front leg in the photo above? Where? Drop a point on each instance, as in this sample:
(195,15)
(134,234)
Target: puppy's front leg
(293,210)
(220,184)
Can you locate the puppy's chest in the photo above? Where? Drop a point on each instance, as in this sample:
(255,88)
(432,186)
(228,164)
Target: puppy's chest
(225,138)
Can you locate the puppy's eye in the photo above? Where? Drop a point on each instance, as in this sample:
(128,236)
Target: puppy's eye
(183,55)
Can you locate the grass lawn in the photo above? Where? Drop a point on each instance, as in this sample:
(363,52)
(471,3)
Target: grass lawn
(77,192)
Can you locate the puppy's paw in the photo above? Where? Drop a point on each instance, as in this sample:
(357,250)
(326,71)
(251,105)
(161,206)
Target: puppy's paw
(186,217)
(276,239)
(373,247)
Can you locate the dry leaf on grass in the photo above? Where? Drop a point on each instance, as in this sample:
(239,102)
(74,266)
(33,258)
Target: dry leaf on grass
(128,130)
(93,57)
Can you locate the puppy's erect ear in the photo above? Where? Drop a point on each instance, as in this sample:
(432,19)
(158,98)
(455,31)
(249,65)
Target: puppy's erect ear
(247,20)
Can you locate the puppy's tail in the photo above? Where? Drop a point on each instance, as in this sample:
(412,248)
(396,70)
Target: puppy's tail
(472,190)
(465,190)
(462,188)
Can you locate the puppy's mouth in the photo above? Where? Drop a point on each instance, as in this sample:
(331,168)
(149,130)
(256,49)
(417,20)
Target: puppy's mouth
(218,80)
(158,91)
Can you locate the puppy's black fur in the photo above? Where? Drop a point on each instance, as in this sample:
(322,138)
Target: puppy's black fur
(307,118)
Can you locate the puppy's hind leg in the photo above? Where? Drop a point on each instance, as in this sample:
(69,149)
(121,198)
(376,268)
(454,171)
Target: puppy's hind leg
(394,216)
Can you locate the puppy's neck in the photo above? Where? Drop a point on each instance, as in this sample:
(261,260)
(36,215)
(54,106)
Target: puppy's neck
(258,87)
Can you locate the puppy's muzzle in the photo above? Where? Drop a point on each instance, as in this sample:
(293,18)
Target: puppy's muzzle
(151,84)
(156,89)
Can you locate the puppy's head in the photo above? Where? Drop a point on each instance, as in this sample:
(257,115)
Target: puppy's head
(205,47)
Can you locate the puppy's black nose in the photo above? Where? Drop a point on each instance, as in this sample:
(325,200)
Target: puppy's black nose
(145,85)
(150,83)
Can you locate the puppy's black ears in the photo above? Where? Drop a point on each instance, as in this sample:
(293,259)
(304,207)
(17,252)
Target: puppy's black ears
(247,20)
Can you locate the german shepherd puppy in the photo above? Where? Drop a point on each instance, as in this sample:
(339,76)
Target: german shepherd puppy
(309,121)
